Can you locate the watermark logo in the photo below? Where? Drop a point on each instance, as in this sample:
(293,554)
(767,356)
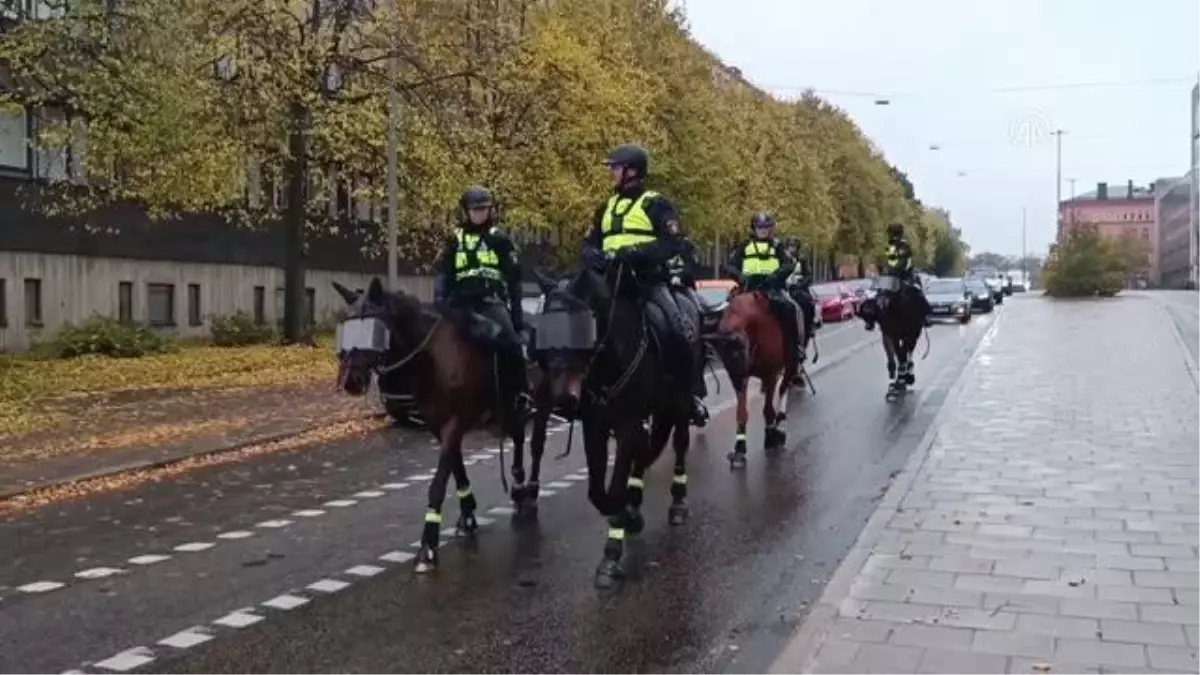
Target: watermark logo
(1029,128)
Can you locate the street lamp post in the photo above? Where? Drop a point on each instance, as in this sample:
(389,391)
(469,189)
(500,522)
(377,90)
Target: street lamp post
(1058,134)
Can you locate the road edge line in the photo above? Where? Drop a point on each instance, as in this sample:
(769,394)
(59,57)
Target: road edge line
(799,653)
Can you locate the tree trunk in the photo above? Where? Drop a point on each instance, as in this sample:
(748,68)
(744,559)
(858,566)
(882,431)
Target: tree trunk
(835,273)
(295,319)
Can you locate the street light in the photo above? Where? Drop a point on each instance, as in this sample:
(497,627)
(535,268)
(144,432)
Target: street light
(393,181)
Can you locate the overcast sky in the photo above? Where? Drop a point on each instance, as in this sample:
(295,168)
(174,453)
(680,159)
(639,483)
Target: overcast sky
(942,64)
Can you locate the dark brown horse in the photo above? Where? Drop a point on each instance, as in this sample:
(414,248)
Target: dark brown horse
(454,377)
(751,343)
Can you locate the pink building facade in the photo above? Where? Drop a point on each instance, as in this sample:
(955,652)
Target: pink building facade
(1117,211)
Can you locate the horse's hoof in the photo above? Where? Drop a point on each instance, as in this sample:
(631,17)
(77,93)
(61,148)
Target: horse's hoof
(517,493)
(775,439)
(526,510)
(608,573)
(677,514)
(467,524)
(737,460)
(635,523)
(426,559)
(910,379)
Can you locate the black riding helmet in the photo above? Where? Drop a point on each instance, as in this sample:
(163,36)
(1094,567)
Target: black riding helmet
(761,219)
(895,231)
(476,197)
(632,157)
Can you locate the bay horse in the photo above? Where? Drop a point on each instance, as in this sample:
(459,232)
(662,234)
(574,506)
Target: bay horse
(901,321)
(454,376)
(605,362)
(751,343)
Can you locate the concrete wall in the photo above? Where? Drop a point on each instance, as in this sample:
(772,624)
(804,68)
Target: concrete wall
(74,288)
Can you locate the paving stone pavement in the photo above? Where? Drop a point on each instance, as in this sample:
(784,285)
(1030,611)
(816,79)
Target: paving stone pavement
(1051,523)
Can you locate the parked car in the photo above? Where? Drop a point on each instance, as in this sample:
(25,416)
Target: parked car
(949,298)
(982,299)
(834,301)
(862,289)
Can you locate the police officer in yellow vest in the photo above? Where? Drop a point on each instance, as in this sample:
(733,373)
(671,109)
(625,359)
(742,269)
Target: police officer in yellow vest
(762,265)
(479,273)
(900,265)
(641,228)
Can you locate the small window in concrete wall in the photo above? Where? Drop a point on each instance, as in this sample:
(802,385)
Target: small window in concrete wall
(260,305)
(193,308)
(125,302)
(160,304)
(279,300)
(3,303)
(310,305)
(14,140)
(33,303)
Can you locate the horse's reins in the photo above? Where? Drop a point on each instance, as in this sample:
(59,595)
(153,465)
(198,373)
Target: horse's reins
(384,370)
(626,376)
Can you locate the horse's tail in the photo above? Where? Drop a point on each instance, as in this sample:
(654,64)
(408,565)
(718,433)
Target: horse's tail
(926,354)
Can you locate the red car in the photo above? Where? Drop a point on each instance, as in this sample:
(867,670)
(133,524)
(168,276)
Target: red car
(834,300)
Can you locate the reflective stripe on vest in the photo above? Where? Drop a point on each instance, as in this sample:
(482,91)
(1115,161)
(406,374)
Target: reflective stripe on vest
(626,223)
(474,259)
(759,259)
(676,265)
(893,258)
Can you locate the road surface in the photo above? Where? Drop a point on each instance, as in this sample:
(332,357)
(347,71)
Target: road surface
(301,561)
(1184,308)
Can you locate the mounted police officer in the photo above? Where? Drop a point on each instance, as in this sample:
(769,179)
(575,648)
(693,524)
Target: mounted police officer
(900,265)
(762,264)
(641,227)
(682,270)
(479,273)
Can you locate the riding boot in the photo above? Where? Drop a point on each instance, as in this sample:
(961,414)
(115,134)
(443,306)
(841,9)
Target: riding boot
(514,389)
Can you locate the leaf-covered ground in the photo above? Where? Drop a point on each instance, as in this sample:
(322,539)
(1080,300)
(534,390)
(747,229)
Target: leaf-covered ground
(37,395)
(62,418)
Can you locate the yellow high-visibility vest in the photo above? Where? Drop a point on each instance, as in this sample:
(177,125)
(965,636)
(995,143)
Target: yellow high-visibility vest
(474,259)
(759,259)
(626,223)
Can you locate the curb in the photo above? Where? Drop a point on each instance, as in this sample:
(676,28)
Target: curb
(800,652)
(260,439)
(1182,342)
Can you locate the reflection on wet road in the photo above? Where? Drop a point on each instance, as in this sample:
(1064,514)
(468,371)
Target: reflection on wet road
(300,562)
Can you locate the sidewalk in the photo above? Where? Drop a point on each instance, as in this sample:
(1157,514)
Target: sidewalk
(134,429)
(1048,524)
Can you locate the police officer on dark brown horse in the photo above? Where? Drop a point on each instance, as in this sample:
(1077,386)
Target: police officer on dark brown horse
(479,274)
(640,225)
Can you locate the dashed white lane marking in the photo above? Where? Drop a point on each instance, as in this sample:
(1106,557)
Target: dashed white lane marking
(308,513)
(546,493)
(41,587)
(149,559)
(187,638)
(328,585)
(502,510)
(98,572)
(235,534)
(194,546)
(286,602)
(415,544)
(364,570)
(493,451)
(275,524)
(470,462)
(369,494)
(341,503)
(484,520)
(558,484)
(239,619)
(394,486)
(397,557)
(127,660)
(420,476)
(481,456)
(575,476)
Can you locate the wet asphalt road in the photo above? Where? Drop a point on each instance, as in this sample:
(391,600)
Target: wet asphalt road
(1184,308)
(192,560)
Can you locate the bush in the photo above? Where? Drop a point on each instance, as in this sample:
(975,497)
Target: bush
(240,330)
(105,336)
(1085,264)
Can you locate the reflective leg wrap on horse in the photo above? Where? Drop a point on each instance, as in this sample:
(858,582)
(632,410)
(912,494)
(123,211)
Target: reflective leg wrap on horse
(679,485)
(432,528)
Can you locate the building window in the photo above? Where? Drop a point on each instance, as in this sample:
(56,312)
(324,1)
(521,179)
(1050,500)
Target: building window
(14,134)
(160,304)
(193,300)
(125,302)
(260,305)
(33,303)
(310,305)
(3,304)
